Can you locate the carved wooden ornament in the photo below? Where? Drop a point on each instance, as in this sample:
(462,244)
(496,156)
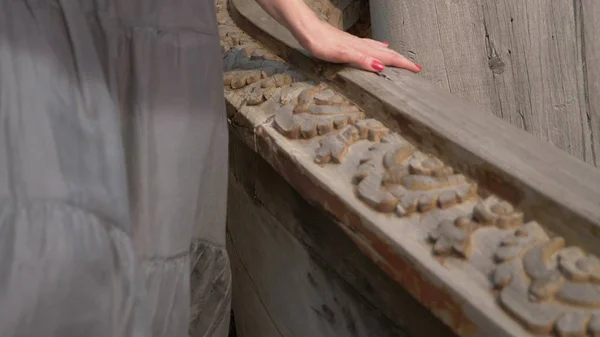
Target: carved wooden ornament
(454,237)
(394,177)
(548,286)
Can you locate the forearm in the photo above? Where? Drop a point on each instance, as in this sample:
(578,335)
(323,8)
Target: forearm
(295,15)
(329,43)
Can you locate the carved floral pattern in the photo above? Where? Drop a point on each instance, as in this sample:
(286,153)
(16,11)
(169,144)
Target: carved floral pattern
(495,212)
(333,147)
(315,111)
(454,237)
(546,285)
(393,177)
(253,81)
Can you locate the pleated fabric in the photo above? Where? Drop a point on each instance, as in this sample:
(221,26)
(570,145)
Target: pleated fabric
(113,169)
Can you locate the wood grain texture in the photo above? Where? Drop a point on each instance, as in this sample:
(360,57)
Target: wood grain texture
(520,60)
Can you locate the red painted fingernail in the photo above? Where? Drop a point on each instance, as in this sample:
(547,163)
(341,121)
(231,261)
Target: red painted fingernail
(419,67)
(386,43)
(378,66)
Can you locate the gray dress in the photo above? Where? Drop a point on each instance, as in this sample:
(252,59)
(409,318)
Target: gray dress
(113,168)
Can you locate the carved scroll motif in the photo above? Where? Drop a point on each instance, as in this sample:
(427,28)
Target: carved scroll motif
(260,92)
(315,111)
(394,177)
(252,81)
(548,287)
(303,109)
(454,237)
(333,147)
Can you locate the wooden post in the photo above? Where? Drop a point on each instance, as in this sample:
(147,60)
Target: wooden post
(532,63)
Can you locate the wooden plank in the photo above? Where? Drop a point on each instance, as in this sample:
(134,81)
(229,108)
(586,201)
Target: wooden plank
(518,59)
(253,319)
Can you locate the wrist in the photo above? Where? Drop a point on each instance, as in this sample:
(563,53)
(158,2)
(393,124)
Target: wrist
(304,24)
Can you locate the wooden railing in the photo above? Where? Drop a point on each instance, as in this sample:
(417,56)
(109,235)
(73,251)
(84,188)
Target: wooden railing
(494,231)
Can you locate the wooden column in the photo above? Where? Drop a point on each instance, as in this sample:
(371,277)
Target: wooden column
(532,63)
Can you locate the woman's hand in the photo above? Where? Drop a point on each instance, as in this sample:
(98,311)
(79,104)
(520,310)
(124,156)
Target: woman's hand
(331,44)
(334,45)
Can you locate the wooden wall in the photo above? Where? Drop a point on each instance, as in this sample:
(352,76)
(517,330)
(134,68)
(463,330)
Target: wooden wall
(533,63)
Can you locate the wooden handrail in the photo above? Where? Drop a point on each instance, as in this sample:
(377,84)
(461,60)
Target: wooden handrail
(458,206)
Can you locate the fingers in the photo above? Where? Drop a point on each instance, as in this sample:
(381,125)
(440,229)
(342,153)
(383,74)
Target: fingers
(360,59)
(386,56)
(376,60)
(376,44)
(367,54)
(394,59)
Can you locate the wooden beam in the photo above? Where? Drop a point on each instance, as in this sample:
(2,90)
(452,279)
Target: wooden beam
(461,209)
(550,185)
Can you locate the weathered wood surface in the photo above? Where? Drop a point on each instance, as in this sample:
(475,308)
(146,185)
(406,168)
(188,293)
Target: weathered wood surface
(525,61)
(539,178)
(464,211)
(253,318)
(297,274)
